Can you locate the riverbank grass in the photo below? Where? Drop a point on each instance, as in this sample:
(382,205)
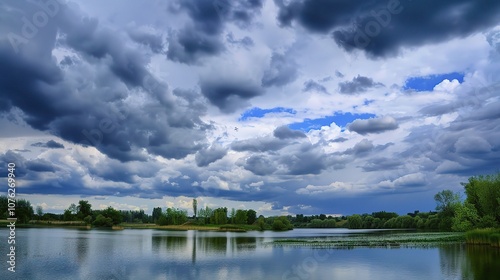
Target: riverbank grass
(487,236)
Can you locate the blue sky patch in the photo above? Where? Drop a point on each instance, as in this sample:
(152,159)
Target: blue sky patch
(427,83)
(341,119)
(259,112)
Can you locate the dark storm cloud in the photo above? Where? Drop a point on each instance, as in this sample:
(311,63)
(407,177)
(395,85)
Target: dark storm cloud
(377,125)
(203,35)
(246,41)
(303,159)
(359,84)
(438,109)
(229,95)
(94,110)
(206,156)
(381,164)
(262,144)
(281,71)
(189,46)
(40,165)
(284,132)
(24,166)
(382,28)
(339,140)
(49,144)
(314,86)
(66,61)
(17,159)
(151,40)
(260,165)
(111,170)
(361,148)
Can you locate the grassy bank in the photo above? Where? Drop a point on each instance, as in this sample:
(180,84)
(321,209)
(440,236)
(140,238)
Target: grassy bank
(423,239)
(483,237)
(48,224)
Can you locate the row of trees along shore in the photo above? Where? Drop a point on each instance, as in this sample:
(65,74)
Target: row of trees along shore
(480,209)
(83,213)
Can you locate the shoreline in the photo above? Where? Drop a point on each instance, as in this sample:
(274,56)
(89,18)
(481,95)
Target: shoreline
(83,225)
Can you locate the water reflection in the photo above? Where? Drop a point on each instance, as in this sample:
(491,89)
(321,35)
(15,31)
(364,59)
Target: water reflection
(153,254)
(81,249)
(212,245)
(169,243)
(483,262)
(201,243)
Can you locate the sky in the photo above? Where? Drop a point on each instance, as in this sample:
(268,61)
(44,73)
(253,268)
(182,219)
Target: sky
(281,106)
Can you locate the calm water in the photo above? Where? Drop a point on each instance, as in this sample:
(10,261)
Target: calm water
(153,254)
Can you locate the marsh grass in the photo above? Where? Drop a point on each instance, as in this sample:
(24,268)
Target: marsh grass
(483,237)
(426,239)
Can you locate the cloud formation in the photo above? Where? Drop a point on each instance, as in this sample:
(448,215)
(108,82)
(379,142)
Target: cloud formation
(383,28)
(260,103)
(358,84)
(375,125)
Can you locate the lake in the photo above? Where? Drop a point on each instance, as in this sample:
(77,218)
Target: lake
(57,253)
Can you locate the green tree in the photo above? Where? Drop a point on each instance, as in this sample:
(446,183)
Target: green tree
(466,217)
(162,220)
(67,216)
(261,222)
(232,216)
(240,217)
(205,214)
(446,203)
(377,223)
(84,209)
(368,222)
(156,214)
(176,216)
(282,223)
(101,221)
(251,216)
(407,222)
(73,209)
(88,220)
(354,221)
(446,200)
(39,212)
(483,192)
(24,211)
(113,214)
(219,216)
(391,223)
(195,207)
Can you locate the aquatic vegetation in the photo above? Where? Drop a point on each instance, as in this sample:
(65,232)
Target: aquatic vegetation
(483,237)
(377,240)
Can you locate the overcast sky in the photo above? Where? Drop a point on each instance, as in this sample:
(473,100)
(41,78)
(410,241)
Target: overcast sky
(284,106)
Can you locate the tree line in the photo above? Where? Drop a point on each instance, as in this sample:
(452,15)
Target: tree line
(480,209)
(171,216)
(219,216)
